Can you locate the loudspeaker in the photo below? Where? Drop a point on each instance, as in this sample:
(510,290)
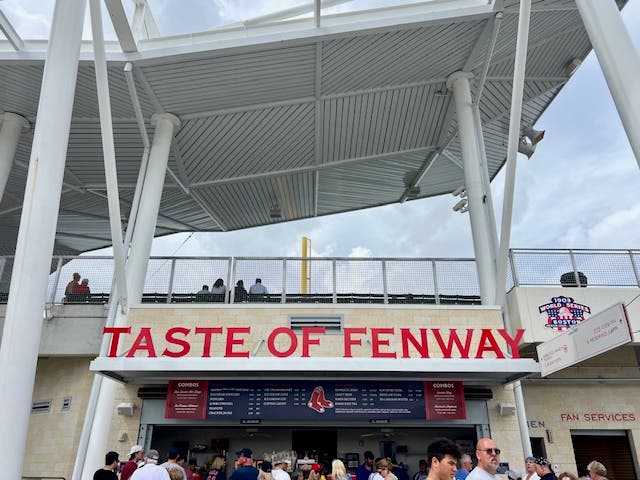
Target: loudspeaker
(126,409)
(506,409)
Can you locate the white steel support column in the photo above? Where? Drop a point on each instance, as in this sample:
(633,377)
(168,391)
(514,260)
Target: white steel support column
(480,225)
(619,61)
(10,129)
(142,238)
(23,321)
(147,218)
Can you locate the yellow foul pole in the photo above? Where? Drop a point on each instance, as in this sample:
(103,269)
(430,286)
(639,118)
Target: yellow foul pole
(304,273)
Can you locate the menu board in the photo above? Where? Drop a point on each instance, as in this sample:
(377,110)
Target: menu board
(186,399)
(303,400)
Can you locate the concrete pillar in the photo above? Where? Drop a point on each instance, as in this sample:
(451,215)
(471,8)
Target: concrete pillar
(12,125)
(147,218)
(480,224)
(619,61)
(23,321)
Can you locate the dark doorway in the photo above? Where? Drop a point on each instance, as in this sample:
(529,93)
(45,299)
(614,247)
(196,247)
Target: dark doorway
(613,451)
(537,447)
(320,444)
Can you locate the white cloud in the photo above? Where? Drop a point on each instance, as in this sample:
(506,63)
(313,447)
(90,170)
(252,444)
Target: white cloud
(360,252)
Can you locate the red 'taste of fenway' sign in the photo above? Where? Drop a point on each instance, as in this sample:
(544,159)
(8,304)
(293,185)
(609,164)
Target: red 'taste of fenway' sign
(284,342)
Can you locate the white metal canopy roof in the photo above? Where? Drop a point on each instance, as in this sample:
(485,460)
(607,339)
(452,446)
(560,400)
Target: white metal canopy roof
(289,117)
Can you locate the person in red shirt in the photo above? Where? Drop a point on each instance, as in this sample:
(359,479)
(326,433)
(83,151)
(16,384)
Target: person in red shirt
(135,455)
(83,288)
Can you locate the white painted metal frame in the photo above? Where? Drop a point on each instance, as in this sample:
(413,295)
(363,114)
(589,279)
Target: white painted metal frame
(23,320)
(12,36)
(108,151)
(154,370)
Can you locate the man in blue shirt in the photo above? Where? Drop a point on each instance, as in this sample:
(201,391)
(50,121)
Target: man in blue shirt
(466,465)
(246,470)
(364,470)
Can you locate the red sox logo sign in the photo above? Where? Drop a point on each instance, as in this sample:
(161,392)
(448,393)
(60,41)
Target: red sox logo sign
(318,402)
(564,312)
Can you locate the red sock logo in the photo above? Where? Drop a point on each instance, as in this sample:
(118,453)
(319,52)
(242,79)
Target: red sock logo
(314,401)
(323,401)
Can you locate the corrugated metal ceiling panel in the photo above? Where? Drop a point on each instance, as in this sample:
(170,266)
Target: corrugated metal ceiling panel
(222,82)
(84,154)
(382,122)
(20,88)
(86,100)
(246,204)
(496,99)
(377,182)
(556,38)
(247,143)
(444,176)
(396,58)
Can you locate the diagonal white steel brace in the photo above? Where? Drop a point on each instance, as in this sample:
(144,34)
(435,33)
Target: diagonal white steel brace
(108,150)
(7,28)
(509,185)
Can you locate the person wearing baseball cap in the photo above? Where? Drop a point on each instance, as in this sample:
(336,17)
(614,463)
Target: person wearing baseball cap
(315,473)
(151,470)
(543,469)
(278,472)
(245,470)
(135,455)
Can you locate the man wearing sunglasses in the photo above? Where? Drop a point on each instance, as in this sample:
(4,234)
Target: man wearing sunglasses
(488,461)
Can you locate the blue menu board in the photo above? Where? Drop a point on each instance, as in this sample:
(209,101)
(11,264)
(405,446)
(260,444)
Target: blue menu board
(305,400)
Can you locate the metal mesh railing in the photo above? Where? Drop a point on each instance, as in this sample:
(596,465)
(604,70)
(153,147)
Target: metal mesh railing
(572,268)
(339,280)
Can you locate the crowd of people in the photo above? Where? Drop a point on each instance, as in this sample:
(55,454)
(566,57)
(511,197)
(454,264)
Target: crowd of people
(240,293)
(77,288)
(444,461)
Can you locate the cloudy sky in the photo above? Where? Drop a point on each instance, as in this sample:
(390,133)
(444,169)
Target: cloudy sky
(579,190)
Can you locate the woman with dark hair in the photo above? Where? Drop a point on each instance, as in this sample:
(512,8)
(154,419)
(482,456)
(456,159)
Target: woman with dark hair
(219,287)
(239,292)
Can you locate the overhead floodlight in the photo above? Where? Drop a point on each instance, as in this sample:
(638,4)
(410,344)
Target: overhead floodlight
(526,147)
(461,191)
(534,135)
(572,66)
(462,204)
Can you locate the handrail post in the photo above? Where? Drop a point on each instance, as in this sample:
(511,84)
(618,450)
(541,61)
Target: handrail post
(229,280)
(56,280)
(575,268)
(633,265)
(333,281)
(514,271)
(284,281)
(436,289)
(232,287)
(384,282)
(171,275)
(3,262)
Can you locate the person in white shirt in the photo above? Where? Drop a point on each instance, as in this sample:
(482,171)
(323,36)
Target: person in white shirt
(488,461)
(219,287)
(530,467)
(151,470)
(258,288)
(278,470)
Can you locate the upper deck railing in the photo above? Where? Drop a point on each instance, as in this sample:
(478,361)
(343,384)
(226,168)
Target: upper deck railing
(339,280)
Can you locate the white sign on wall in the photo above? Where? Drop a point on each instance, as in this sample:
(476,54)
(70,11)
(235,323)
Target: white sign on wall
(600,333)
